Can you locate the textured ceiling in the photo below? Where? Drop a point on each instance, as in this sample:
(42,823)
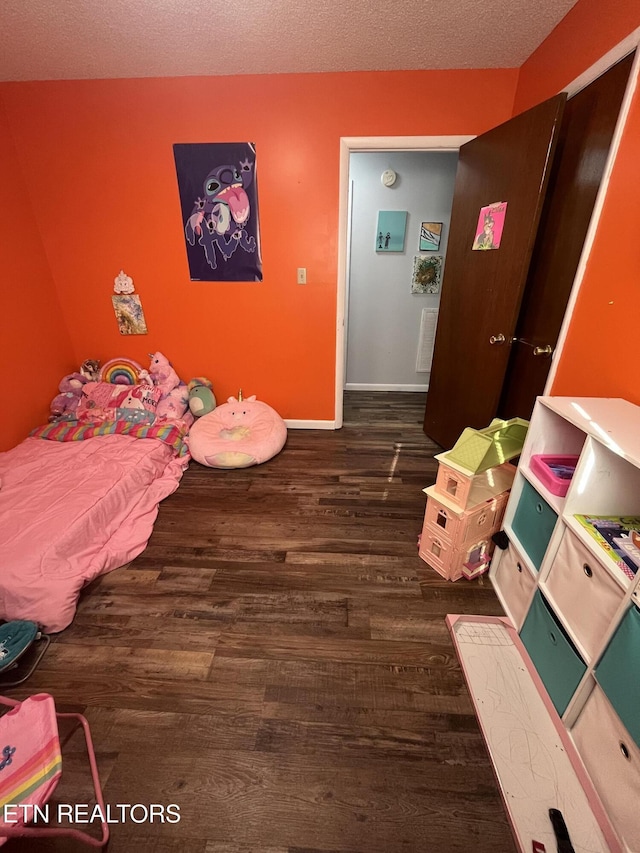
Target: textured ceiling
(72,39)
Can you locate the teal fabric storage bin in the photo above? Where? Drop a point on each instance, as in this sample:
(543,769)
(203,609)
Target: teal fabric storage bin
(618,672)
(558,663)
(533,523)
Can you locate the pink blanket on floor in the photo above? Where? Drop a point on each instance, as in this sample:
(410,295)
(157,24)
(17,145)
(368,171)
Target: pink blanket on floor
(70,511)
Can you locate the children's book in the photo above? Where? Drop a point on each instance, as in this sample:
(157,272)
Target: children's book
(618,536)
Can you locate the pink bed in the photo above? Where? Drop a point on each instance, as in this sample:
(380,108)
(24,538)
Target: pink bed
(75,507)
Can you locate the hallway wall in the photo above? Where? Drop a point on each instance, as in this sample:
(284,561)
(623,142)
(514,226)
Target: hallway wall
(383,314)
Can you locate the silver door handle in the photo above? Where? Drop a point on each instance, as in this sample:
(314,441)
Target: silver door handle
(497,339)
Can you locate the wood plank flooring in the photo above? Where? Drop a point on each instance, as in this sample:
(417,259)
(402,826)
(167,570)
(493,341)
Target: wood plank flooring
(277,664)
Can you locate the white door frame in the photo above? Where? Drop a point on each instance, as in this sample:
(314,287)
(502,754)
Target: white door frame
(367,143)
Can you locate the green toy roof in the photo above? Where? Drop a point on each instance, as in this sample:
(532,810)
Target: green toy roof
(478,450)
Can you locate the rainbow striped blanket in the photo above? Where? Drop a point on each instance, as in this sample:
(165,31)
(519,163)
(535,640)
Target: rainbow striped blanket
(171,433)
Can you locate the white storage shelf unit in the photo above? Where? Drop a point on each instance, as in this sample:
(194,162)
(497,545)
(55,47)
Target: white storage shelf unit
(576,610)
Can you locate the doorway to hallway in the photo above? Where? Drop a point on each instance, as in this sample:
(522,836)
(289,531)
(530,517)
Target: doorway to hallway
(349,145)
(386,300)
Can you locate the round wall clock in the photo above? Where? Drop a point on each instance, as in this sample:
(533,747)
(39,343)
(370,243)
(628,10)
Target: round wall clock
(389,178)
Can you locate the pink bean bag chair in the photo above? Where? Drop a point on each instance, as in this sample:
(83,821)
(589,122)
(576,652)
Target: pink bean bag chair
(237,434)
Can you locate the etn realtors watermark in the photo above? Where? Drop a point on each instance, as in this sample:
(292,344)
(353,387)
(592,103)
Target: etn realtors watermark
(60,813)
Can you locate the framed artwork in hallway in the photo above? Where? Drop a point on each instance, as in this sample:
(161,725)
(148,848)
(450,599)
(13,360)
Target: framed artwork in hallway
(391,229)
(430,236)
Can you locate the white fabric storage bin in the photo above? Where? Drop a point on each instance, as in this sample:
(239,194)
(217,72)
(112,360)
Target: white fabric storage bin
(515,583)
(612,760)
(584,592)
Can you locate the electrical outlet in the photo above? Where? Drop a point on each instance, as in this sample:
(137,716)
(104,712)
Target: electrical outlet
(302,275)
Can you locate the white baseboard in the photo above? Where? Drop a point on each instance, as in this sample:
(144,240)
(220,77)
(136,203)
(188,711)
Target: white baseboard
(293,424)
(361,386)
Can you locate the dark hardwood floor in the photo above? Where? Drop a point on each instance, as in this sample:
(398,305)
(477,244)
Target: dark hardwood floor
(277,663)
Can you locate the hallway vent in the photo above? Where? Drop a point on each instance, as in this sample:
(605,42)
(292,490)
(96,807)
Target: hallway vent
(427,339)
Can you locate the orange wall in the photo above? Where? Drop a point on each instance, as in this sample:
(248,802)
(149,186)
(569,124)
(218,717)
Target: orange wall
(600,353)
(98,164)
(35,346)
(600,356)
(584,35)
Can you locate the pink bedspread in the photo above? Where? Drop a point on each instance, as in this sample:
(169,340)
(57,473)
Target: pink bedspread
(70,511)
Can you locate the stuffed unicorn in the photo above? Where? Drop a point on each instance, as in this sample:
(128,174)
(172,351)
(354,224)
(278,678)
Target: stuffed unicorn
(174,404)
(164,376)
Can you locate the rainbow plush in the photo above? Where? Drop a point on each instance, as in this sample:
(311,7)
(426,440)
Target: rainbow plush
(121,371)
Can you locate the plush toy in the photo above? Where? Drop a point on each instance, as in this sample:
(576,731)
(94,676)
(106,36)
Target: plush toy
(90,369)
(201,397)
(174,404)
(237,434)
(144,378)
(66,402)
(164,376)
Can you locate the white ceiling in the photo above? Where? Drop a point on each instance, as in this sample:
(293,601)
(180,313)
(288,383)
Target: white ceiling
(74,39)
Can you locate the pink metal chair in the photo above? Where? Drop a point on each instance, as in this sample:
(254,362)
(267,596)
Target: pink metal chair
(30,767)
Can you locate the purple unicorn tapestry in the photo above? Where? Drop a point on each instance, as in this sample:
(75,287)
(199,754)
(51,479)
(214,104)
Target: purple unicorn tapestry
(219,201)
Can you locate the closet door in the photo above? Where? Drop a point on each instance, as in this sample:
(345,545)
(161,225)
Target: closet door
(519,291)
(586,132)
(482,290)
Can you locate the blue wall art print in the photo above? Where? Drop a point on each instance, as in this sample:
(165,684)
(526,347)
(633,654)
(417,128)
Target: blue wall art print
(390,231)
(219,200)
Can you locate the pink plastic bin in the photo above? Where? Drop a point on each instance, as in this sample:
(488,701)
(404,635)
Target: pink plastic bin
(554,472)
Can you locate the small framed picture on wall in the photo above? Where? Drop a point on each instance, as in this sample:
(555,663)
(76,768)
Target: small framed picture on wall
(427,273)
(129,314)
(430,236)
(391,229)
